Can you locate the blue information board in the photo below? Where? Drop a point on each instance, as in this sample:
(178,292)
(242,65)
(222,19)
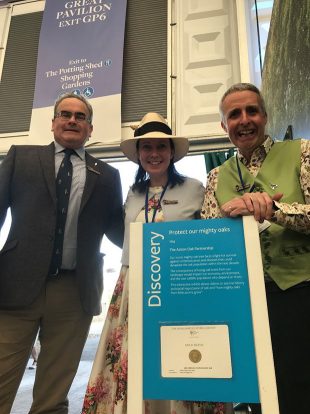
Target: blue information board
(196,306)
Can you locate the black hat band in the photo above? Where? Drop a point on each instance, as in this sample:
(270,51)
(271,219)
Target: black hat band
(152,127)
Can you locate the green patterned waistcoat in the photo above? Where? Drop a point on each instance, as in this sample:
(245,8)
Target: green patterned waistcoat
(286,253)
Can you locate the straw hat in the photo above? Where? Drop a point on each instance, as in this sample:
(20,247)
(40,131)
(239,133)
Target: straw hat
(154,125)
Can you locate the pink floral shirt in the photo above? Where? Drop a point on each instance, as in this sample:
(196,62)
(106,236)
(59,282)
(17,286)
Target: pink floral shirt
(293,216)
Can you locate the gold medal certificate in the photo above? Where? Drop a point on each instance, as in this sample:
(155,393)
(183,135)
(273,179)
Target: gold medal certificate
(195,351)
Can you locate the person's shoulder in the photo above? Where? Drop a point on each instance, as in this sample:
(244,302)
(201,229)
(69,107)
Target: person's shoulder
(216,170)
(305,143)
(28,149)
(288,142)
(135,193)
(103,165)
(130,191)
(297,143)
(133,199)
(305,147)
(190,181)
(191,186)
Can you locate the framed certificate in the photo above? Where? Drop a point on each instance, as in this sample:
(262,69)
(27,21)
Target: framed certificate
(195,351)
(198,320)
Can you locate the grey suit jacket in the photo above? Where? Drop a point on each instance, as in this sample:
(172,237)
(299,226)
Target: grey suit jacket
(27,186)
(182,202)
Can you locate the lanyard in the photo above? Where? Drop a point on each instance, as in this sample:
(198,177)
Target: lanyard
(157,206)
(243,186)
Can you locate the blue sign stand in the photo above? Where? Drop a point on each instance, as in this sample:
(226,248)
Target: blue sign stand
(197,334)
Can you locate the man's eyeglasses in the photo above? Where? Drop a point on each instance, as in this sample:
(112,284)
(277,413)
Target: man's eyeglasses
(67,115)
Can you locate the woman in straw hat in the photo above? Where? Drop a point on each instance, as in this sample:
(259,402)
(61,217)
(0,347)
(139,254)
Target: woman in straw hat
(159,193)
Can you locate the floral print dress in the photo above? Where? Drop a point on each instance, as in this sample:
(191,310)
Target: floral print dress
(107,387)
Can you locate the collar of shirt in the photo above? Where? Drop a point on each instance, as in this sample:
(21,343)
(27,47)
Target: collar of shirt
(259,154)
(79,151)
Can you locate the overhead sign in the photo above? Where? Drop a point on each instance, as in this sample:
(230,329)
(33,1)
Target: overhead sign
(81,51)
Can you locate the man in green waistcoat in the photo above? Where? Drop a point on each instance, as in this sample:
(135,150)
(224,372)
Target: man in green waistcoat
(271,181)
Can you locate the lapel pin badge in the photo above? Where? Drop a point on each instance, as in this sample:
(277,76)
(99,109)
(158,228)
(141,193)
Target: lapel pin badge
(167,202)
(273,186)
(93,170)
(242,187)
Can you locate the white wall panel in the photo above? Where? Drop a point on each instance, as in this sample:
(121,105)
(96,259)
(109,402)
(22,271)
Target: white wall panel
(207,63)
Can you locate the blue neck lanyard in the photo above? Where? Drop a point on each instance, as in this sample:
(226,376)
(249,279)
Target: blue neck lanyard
(243,187)
(157,206)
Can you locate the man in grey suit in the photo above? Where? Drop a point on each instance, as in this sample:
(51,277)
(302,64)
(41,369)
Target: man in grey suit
(34,294)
